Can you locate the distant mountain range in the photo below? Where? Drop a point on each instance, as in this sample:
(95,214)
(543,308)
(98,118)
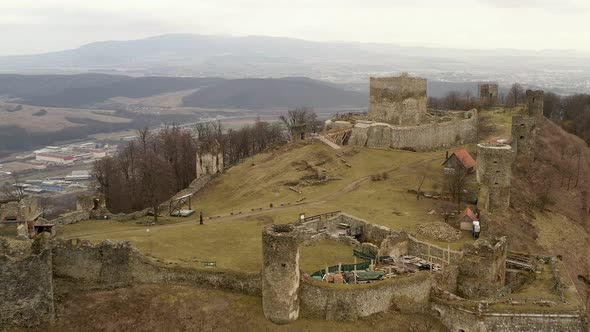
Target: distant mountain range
(190,55)
(90,90)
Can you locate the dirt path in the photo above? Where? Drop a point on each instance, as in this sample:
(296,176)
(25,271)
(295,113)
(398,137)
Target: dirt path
(354,185)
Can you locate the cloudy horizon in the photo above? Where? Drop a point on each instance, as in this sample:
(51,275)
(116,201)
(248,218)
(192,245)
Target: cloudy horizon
(55,25)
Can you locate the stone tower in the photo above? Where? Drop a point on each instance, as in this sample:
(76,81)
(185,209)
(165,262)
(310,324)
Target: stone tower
(534,104)
(209,160)
(524,133)
(488,94)
(280,273)
(398,100)
(482,269)
(494,172)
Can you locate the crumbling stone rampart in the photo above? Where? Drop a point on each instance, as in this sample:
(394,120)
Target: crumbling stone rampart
(407,294)
(398,100)
(494,173)
(111,264)
(458,319)
(425,137)
(26,292)
(280,273)
(209,163)
(482,269)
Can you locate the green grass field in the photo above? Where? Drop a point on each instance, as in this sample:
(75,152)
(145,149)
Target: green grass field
(234,241)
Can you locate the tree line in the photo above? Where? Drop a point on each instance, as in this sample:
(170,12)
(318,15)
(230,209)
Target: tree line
(465,101)
(156,165)
(572,113)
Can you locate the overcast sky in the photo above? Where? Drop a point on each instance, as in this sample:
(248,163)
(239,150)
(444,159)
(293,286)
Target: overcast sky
(33,26)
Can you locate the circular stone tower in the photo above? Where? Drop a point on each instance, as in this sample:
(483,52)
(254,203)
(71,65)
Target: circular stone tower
(494,172)
(280,273)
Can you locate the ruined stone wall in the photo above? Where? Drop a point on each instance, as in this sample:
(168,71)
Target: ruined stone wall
(488,94)
(397,100)
(482,269)
(26,209)
(280,273)
(71,218)
(209,163)
(26,291)
(390,242)
(446,279)
(534,104)
(111,264)
(425,137)
(494,173)
(524,135)
(458,319)
(408,294)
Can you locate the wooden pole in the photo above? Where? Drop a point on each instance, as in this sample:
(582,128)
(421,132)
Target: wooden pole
(448,254)
(327,272)
(429,259)
(354,271)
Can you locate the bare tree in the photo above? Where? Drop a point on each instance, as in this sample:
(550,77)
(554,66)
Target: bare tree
(515,95)
(14,190)
(455,183)
(301,117)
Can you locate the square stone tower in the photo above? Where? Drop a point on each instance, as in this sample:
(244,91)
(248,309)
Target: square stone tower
(398,100)
(488,94)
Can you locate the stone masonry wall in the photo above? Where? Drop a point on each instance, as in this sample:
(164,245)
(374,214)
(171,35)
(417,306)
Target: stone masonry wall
(209,163)
(409,294)
(482,269)
(389,241)
(118,265)
(457,319)
(524,135)
(488,94)
(494,173)
(26,291)
(534,104)
(397,100)
(280,273)
(426,137)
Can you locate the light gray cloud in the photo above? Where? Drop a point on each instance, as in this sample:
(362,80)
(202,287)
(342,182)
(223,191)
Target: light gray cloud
(526,24)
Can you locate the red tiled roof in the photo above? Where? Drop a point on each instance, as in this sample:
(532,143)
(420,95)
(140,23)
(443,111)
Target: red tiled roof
(465,158)
(467,212)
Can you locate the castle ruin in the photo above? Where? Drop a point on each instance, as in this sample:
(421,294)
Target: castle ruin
(494,173)
(399,119)
(525,127)
(280,273)
(535,103)
(488,94)
(467,294)
(209,160)
(398,100)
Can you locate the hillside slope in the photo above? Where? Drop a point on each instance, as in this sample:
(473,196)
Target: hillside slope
(271,93)
(131,88)
(44,85)
(560,226)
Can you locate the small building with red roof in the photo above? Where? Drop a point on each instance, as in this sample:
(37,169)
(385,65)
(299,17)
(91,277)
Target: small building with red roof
(460,159)
(466,219)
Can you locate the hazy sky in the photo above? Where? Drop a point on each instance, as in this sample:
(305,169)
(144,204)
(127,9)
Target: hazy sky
(32,26)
